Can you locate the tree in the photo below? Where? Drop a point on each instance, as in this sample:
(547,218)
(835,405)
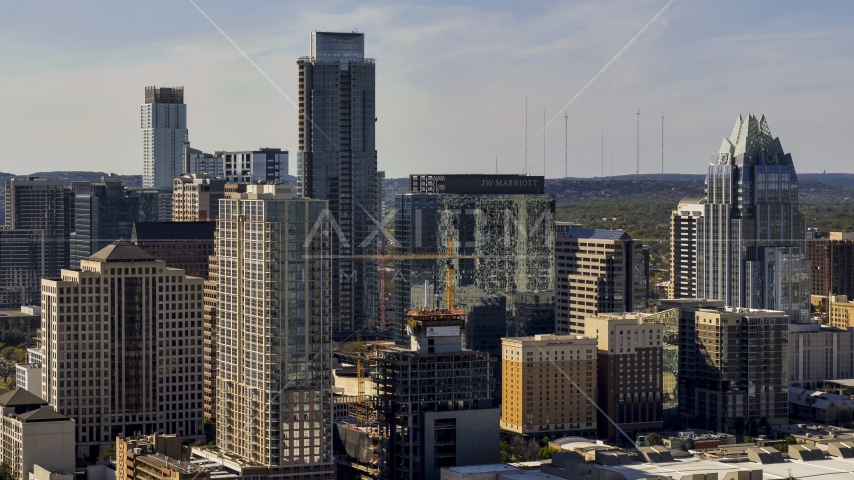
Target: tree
(747,439)
(505,451)
(738,424)
(108,453)
(763,422)
(210,430)
(546,452)
(524,450)
(7,369)
(653,439)
(752,429)
(6,472)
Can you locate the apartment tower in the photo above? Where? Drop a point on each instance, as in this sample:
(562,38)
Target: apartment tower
(683,247)
(337,162)
(273,333)
(163,119)
(123,347)
(751,246)
(195,197)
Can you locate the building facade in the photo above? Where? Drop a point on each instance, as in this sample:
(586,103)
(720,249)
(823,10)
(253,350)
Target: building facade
(273,332)
(267,165)
(751,246)
(841,312)
(722,380)
(163,119)
(33,434)
(598,271)
(103,213)
(44,206)
(630,373)
(123,347)
(147,457)
(549,385)
(683,247)
(23,263)
(184,245)
(337,162)
(20,324)
(832,264)
(818,353)
(195,197)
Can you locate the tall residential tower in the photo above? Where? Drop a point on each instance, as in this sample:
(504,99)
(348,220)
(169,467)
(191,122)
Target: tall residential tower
(163,119)
(751,239)
(337,162)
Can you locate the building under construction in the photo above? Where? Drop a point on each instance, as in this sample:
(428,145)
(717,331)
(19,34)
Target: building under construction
(433,405)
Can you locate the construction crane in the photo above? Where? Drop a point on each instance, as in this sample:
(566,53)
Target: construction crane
(450,273)
(362,406)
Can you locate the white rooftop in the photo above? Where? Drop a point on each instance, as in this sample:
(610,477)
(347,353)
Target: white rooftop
(494,467)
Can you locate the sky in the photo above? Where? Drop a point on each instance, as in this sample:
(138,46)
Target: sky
(452,80)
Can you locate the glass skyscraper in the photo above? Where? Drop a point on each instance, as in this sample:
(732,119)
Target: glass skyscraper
(751,239)
(337,162)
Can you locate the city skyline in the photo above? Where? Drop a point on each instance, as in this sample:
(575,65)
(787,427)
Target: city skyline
(472,64)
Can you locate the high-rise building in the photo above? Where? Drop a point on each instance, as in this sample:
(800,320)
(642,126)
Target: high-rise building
(184,245)
(598,271)
(630,368)
(683,247)
(751,247)
(549,385)
(818,353)
(195,197)
(163,119)
(210,335)
(733,367)
(47,206)
(269,165)
(502,231)
(103,213)
(831,260)
(337,162)
(273,332)
(23,263)
(123,347)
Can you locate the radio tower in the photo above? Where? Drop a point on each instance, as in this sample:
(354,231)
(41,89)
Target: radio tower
(565,145)
(637,171)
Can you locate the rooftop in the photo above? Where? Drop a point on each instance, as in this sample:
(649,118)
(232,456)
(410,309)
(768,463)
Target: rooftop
(597,234)
(493,467)
(20,397)
(122,251)
(172,231)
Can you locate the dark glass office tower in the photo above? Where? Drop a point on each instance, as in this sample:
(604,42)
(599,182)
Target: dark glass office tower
(751,240)
(103,213)
(337,162)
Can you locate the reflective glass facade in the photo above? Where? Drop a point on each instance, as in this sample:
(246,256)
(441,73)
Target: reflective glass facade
(751,240)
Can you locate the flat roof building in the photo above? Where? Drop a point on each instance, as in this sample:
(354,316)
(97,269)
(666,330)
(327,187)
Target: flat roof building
(549,385)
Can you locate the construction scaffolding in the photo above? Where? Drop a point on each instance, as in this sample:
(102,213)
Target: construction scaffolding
(393,432)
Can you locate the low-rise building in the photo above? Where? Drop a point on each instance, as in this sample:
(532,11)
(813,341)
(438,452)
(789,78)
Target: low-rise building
(630,369)
(150,457)
(29,377)
(34,434)
(824,407)
(549,385)
(841,312)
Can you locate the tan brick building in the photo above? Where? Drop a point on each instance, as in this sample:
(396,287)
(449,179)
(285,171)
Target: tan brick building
(841,312)
(630,364)
(548,385)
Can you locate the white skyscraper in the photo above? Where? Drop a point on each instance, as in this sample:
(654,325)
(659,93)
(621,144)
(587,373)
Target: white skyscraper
(163,119)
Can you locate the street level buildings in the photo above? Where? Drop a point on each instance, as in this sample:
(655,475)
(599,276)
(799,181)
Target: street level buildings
(163,120)
(598,271)
(34,434)
(683,245)
(147,457)
(122,341)
(103,213)
(273,331)
(337,162)
(630,368)
(549,385)
(751,246)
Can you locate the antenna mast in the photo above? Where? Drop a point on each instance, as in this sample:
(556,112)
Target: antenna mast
(526,135)
(544,146)
(565,145)
(637,171)
(662,144)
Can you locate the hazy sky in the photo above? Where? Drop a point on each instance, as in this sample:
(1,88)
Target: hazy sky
(451,80)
